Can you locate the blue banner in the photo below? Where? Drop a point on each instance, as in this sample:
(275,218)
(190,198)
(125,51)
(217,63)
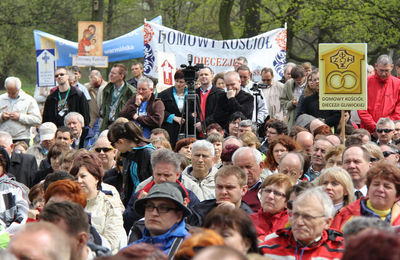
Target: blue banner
(125,47)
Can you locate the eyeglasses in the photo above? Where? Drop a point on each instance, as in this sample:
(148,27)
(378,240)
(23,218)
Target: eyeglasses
(104,149)
(275,192)
(381,130)
(59,75)
(387,153)
(306,217)
(160,209)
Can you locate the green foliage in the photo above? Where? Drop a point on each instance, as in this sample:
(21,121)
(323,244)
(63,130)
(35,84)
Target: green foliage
(376,22)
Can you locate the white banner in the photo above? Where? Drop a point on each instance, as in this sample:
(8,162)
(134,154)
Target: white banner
(265,50)
(166,71)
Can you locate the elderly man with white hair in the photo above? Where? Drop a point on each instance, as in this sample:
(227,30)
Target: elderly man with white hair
(144,107)
(201,171)
(309,236)
(250,161)
(84,136)
(18,111)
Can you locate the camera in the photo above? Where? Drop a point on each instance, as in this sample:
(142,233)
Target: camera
(257,86)
(189,72)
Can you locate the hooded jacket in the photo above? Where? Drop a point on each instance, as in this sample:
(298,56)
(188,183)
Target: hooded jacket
(267,223)
(177,232)
(283,244)
(359,208)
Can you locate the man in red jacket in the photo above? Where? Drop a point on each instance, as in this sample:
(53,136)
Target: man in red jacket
(309,236)
(383,95)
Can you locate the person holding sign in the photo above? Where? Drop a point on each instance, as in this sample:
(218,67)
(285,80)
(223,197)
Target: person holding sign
(310,104)
(383,95)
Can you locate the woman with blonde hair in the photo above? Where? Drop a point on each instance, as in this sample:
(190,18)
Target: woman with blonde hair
(333,156)
(250,139)
(374,151)
(160,142)
(339,186)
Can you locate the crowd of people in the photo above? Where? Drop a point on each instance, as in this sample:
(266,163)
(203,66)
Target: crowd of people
(110,170)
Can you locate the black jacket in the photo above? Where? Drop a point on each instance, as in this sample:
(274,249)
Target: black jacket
(140,156)
(211,103)
(200,211)
(76,102)
(114,178)
(167,97)
(23,167)
(310,106)
(243,102)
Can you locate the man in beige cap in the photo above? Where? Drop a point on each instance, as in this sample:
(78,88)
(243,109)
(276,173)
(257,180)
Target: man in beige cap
(47,133)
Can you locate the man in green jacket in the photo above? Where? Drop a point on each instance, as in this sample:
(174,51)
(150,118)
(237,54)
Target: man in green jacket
(291,93)
(115,95)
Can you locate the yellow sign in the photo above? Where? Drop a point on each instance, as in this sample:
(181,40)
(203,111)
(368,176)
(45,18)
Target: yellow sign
(343,76)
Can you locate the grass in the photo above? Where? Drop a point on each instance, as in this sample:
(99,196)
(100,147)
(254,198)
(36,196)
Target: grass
(28,88)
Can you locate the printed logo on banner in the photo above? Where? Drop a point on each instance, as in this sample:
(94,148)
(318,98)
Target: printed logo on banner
(149,58)
(280,58)
(281,39)
(280,62)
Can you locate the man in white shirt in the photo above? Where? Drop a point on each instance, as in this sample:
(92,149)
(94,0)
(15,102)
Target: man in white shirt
(356,161)
(18,111)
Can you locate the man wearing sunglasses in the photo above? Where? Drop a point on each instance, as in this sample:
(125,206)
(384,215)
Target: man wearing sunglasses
(309,235)
(384,130)
(105,152)
(64,100)
(391,153)
(383,95)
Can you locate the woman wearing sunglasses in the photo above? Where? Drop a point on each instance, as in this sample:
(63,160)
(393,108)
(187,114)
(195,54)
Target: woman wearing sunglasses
(391,153)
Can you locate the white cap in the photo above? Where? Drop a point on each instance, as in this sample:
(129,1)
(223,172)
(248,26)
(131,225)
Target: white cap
(47,131)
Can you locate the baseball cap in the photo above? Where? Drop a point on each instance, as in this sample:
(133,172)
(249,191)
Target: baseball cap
(47,131)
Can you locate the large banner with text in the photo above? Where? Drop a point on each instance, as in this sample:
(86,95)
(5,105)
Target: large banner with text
(124,47)
(264,50)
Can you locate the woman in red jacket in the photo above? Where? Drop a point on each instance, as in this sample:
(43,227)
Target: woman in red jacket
(383,182)
(273,214)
